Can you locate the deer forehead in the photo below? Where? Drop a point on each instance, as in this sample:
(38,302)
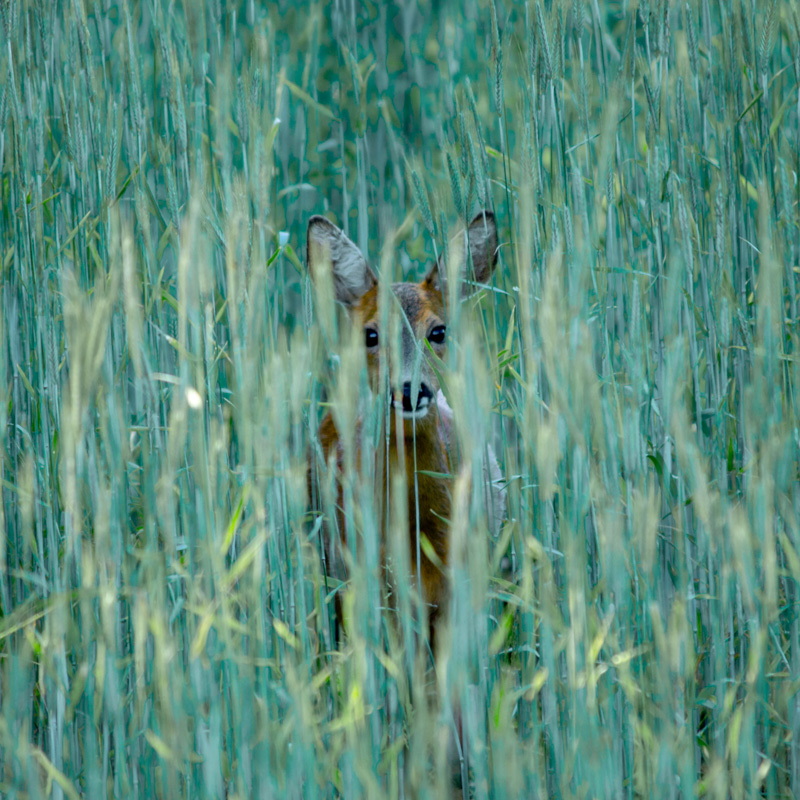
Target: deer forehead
(419,304)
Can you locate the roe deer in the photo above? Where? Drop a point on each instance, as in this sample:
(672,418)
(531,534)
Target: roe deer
(420,418)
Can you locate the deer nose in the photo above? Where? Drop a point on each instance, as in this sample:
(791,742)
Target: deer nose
(424,396)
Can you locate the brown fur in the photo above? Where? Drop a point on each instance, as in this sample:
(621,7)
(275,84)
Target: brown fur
(422,442)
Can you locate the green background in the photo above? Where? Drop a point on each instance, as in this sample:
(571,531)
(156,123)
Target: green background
(165,623)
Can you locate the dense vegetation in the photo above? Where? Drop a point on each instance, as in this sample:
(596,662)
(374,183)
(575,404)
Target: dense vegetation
(165,620)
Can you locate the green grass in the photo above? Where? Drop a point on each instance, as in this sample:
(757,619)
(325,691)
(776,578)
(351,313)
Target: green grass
(165,626)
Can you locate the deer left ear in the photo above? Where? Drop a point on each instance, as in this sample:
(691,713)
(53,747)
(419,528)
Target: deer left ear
(480,240)
(352,277)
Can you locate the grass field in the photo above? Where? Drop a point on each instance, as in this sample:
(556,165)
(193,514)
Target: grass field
(166,627)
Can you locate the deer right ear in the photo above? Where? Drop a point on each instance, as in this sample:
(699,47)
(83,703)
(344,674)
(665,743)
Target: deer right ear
(352,277)
(480,238)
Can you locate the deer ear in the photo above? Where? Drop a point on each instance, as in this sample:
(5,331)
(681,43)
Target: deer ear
(482,248)
(481,237)
(352,277)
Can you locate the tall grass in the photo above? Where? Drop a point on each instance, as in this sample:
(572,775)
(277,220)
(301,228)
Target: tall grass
(166,621)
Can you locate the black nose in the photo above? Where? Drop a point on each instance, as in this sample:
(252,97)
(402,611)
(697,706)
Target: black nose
(424,397)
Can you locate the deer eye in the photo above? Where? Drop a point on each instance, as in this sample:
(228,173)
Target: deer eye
(436,336)
(371,337)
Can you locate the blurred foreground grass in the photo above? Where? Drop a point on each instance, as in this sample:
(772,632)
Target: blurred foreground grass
(165,624)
